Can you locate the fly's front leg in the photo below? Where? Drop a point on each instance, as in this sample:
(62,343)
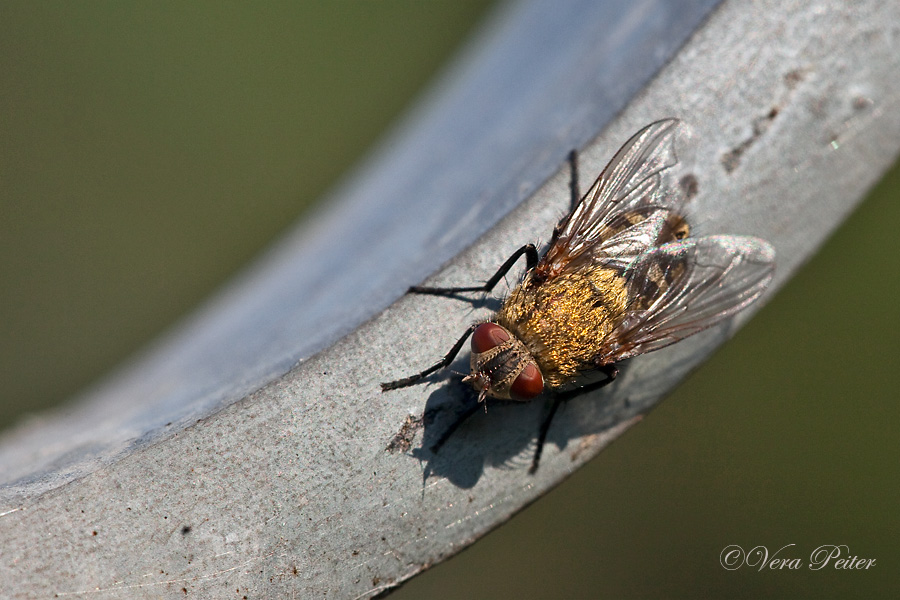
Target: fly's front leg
(531,259)
(461,418)
(444,362)
(611,371)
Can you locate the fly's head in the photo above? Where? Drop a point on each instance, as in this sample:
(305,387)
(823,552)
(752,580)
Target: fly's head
(502,367)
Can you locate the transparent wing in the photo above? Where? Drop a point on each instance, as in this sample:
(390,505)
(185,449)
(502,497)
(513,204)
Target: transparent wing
(681,288)
(623,246)
(601,225)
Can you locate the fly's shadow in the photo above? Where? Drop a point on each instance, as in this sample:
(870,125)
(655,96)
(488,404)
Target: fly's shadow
(458,435)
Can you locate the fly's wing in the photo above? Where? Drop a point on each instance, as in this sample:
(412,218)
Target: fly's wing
(623,213)
(681,288)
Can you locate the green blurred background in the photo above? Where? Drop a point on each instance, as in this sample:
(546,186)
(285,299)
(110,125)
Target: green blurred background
(151,150)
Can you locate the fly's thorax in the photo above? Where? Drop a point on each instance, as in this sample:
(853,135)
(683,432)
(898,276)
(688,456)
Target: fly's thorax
(502,367)
(563,321)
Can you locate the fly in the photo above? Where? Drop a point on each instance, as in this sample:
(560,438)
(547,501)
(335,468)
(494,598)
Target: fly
(620,277)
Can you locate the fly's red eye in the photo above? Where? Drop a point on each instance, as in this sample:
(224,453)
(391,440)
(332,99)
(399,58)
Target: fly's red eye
(487,336)
(528,384)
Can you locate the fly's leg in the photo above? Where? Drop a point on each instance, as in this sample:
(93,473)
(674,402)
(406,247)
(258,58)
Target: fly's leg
(444,362)
(575,197)
(611,372)
(460,419)
(542,435)
(530,252)
(531,259)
